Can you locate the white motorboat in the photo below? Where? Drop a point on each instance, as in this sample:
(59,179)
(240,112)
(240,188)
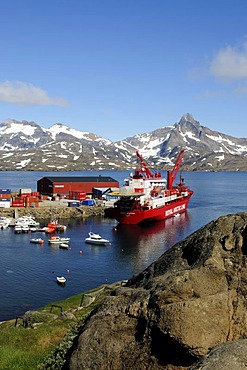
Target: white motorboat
(64,246)
(96,239)
(58,240)
(37,241)
(25,229)
(5,222)
(61,280)
(18,229)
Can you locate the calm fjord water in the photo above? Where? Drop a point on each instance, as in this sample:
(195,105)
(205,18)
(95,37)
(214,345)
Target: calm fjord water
(28,271)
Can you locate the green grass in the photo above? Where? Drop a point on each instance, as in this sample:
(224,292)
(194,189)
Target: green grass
(47,343)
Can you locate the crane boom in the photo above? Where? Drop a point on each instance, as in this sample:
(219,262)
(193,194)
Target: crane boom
(171,175)
(144,166)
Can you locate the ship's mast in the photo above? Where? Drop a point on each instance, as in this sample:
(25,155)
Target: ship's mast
(171,175)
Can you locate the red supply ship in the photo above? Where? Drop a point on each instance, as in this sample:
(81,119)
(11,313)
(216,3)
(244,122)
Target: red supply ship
(147,197)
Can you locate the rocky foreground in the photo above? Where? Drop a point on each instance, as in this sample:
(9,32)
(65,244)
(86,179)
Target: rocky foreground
(188,310)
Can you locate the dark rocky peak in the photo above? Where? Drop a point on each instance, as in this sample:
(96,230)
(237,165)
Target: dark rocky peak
(188,124)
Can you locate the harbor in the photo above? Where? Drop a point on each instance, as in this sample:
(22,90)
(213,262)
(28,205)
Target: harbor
(29,270)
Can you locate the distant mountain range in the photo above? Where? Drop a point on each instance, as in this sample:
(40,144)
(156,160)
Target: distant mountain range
(28,146)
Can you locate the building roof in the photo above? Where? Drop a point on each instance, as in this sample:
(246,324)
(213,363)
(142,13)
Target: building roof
(98,179)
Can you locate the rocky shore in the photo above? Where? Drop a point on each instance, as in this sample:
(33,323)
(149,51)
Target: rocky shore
(185,311)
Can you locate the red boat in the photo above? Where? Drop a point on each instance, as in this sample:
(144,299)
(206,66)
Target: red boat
(147,197)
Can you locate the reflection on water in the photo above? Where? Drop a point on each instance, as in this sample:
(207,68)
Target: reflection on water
(29,270)
(144,244)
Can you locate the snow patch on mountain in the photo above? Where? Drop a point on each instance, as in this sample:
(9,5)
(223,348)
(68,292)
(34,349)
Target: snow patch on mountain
(23,163)
(59,128)
(14,128)
(220,139)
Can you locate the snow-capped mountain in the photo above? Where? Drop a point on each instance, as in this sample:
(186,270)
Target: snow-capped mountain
(27,146)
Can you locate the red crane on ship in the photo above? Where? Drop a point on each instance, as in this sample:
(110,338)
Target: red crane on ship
(171,175)
(144,167)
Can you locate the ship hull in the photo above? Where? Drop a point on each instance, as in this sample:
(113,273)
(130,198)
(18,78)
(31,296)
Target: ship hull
(138,216)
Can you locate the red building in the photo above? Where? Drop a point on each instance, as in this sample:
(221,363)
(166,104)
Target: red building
(62,185)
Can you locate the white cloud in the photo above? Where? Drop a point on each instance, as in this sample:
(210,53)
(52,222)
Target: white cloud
(230,63)
(26,94)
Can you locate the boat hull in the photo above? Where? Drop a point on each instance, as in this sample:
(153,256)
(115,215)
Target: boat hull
(96,242)
(37,241)
(61,280)
(138,216)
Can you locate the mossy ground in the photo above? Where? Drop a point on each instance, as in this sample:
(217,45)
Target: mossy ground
(43,344)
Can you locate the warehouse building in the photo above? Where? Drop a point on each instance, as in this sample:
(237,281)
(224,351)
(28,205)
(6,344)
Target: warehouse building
(63,185)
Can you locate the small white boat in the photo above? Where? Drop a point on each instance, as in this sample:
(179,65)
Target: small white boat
(3,225)
(32,229)
(61,280)
(96,239)
(58,240)
(37,241)
(25,229)
(64,246)
(18,229)
(5,222)
(42,229)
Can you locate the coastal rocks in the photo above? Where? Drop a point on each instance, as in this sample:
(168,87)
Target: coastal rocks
(230,355)
(192,299)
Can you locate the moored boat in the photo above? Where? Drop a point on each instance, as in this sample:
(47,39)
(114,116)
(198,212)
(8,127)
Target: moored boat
(18,229)
(147,197)
(54,226)
(96,239)
(64,246)
(61,280)
(37,241)
(5,222)
(25,229)
(58,240)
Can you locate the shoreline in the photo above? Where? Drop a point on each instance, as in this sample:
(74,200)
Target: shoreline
(54,210)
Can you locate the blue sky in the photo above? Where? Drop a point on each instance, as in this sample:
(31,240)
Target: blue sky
(123,67)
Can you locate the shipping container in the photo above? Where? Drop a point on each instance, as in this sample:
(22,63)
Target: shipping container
(73,204)
(25,191)
(5,191)
(87,202)
(32,204)
(25,195)
(17,204)
(5,204)
(18,199)
(77,195)
(32,199)
(35,193)
(5,196)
